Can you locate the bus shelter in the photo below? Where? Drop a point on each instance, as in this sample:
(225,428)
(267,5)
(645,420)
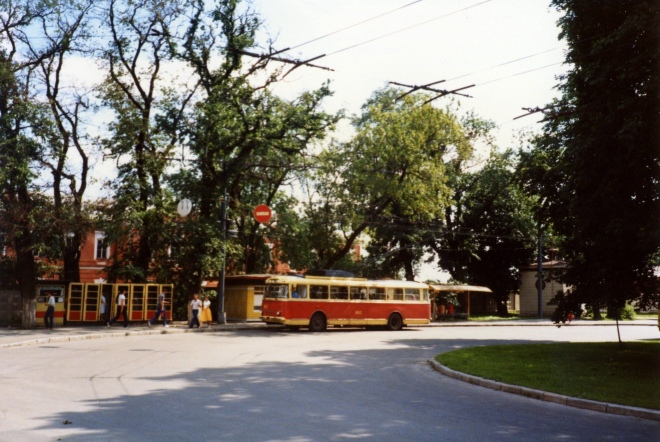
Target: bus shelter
(243,296)
(462,296)
(85,301)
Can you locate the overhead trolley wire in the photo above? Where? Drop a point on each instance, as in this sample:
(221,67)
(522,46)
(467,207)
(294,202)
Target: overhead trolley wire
(355,24)
(409,27)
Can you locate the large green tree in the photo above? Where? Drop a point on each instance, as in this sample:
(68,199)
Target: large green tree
(394,170)
(23,125)
(488,231)
(147,102)
(597,165)
(243,141)
(64,33)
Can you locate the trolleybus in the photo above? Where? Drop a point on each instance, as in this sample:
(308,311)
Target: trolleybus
(316,302)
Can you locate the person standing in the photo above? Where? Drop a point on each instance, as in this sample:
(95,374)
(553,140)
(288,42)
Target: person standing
(49,316)
(121,309)
(104,309)
(206,316)
(160,308)
(195,304)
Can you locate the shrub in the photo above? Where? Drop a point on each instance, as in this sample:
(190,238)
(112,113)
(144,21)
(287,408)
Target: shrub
(626,313)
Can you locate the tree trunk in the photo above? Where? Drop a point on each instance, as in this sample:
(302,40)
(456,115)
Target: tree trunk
(596,309)
(29,313)
(27,277)
(71,265)
(502,309)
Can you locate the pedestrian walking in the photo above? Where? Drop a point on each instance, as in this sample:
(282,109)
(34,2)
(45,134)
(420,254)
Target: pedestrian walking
(195,305)
(121,309)
(160,309)
(49,316)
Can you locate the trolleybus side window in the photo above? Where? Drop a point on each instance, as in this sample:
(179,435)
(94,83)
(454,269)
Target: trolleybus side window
(376,293)
(395,294)
(412,294)
(318,292)
(277,291)
(339,292)
(356,293)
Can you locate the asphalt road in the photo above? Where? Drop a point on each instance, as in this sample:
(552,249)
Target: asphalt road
(272,385)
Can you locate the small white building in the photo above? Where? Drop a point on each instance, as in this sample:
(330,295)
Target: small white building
(529,292)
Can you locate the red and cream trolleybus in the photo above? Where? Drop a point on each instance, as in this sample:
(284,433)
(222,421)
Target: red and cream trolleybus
(318,301)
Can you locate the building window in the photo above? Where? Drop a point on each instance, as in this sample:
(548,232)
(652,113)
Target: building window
(101,247)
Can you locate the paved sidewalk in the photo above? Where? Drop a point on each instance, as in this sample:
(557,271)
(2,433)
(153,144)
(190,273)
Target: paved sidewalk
(12,337)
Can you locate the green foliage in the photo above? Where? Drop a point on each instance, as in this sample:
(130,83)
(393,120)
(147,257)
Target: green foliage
(627,313)
(143,135)
(394,171)
(595,169)
(489,229)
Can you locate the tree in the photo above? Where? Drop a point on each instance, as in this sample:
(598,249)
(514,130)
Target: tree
(64,28)
(395,168)
(596,166)
(245,141)
(21,145)
(146,106)
(489,229)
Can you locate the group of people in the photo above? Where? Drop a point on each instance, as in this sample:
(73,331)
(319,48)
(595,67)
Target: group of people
(205,318)
(441,311)
(122,299)
(195,305)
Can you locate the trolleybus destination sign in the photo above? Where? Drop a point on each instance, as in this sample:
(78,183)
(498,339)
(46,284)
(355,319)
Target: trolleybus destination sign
(262,213)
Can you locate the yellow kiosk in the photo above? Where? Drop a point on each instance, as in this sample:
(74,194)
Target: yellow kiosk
(43,293)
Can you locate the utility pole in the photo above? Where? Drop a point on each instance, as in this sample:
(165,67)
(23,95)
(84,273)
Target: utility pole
(222,316)
(540,273)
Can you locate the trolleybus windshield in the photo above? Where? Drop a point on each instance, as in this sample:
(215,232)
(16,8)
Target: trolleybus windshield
(276,291)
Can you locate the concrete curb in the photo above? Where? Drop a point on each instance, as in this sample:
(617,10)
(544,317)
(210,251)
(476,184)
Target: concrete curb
(623,410)
(110,333)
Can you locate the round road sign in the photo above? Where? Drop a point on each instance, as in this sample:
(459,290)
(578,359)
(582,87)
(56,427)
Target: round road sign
(184,207)
(262,213)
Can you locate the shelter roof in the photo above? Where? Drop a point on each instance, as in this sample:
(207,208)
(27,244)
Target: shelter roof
(459,288)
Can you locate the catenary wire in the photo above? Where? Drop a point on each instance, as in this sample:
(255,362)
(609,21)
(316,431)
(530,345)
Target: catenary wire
(354,25)
(408,28)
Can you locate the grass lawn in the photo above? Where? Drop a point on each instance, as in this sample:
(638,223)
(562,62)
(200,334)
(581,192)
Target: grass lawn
(511,317)
(600,371)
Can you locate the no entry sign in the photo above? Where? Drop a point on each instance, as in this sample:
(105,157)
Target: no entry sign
(262,213)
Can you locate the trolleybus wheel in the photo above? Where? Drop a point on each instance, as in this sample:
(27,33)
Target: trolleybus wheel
(395,322)
(317,323)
